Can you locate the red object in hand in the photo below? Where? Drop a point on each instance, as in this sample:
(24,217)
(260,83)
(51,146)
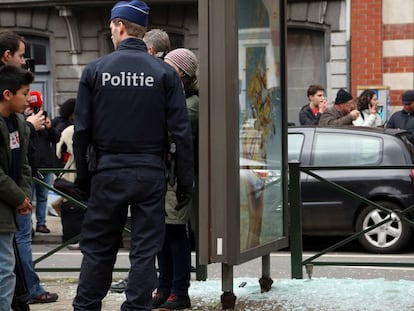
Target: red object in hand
(66,156)
(36,99)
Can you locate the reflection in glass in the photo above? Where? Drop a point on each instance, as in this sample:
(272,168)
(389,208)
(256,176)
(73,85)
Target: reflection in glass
(261,215)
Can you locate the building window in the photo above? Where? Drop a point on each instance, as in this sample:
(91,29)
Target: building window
(37,48)
(306,64)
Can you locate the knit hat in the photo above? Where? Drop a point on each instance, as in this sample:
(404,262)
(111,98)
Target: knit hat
(184,59)
(134,11)
(408,97)
(342,97)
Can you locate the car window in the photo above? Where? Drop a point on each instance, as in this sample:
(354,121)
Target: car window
(346,149)
(295,143)
(407,142)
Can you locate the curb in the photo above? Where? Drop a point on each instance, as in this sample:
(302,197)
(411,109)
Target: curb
(46,238)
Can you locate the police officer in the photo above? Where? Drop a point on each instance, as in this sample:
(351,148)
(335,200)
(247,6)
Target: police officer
(127,103)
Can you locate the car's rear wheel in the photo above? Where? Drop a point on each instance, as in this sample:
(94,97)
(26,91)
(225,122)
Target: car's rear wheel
(390,237)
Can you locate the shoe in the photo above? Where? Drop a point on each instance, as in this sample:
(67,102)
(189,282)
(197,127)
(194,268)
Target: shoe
(19,305)
(158,299)
(46,297)
(177,302)
(57,206)
(52,212)
(73,247)
(119,287)
(42,229)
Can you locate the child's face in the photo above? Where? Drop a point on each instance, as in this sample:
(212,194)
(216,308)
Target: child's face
(20,101)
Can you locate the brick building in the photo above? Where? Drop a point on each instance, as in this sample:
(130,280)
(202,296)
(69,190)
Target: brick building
(351,44)
(382,45)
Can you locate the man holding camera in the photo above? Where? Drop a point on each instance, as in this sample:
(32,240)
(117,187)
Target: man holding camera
(43,143)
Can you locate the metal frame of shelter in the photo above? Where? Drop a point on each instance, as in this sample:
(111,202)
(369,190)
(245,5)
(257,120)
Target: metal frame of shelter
(223,79)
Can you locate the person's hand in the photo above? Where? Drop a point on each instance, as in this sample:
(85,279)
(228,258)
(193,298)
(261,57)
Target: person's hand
(372,109)
(28,111)
(354,114)
(48,123)
(37,120)
(25,207)
(323,105)
(183,195)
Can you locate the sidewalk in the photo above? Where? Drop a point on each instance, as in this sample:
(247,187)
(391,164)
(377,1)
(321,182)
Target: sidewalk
(54,237)
(206,295)
(285,295)
(66,288)
(322,294)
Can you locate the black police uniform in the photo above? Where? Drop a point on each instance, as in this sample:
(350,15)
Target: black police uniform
(127,103)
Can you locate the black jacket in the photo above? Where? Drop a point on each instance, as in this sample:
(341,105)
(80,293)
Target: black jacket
(306,116)
(402,120)
(127,102)
(42,145)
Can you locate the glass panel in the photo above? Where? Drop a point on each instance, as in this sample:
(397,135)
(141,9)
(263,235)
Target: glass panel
(346,150)
(37,48)
(260,128)
(295,143)
(39,52)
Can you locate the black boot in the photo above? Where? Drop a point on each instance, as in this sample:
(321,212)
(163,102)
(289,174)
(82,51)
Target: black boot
(177,302)
(18,305)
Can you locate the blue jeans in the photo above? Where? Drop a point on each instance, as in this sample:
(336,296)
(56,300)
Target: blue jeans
(7,277)
(174,261)
(24,245)
(40,193)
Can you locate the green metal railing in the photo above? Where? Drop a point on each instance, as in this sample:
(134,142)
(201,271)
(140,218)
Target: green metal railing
(200,270)
(295,200)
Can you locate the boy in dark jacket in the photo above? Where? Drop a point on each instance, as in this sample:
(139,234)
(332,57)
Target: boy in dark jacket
(15,173)
(311,112)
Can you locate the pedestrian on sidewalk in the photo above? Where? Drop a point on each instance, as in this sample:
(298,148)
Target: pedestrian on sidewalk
(44,146)
(174,259)
(12,49)
(158,42)
(158,45)
(15,173)
(127,103)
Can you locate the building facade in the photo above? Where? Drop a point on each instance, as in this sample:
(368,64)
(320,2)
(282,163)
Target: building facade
(63,36)
(335,43)
(382,46)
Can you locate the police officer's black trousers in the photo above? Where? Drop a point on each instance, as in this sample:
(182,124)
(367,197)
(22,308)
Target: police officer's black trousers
(111,192)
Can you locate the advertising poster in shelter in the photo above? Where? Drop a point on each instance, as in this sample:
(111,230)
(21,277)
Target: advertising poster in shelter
(260,126)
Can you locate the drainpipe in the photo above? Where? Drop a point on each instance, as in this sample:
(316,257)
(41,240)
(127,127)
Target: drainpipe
(348,42)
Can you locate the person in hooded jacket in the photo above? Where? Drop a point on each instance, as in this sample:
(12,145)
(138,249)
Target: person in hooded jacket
(174,260)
